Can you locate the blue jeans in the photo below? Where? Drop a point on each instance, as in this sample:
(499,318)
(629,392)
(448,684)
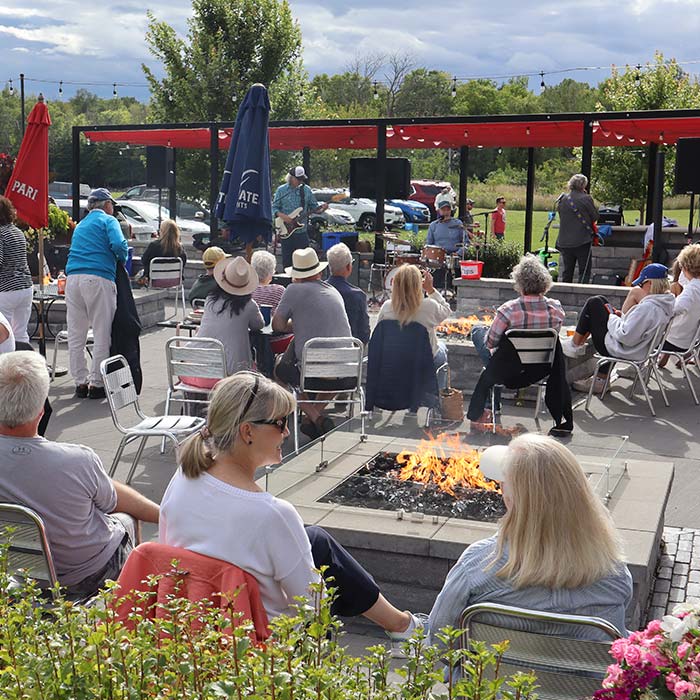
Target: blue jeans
(439,359)
(478,336)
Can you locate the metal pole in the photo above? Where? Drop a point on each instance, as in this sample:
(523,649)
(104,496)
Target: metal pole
(529,199)
(462,192)
(651,180)
(21,99)
(76,174)
(381,185)
(213,178)
(659,248)
(690,217)
(306,162)
(172,190)
(587,151)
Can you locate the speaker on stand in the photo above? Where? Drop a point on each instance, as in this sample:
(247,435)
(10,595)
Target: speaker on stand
(160,173)
(687,173)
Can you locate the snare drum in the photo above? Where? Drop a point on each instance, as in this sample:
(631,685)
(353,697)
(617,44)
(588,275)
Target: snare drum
(389,279)
(434,256)
(410,258)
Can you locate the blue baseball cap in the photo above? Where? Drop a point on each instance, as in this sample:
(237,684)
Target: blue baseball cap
(655,271)
(101,194)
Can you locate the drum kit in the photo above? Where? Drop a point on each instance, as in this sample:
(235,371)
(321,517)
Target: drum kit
(431,258)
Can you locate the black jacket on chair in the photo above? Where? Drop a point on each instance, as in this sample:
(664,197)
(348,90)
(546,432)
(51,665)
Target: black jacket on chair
(126,327)
(505,368)
(400,368)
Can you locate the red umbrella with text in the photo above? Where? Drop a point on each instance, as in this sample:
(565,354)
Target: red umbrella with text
(28,187)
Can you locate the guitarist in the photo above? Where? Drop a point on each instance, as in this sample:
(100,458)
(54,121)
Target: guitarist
(295,194)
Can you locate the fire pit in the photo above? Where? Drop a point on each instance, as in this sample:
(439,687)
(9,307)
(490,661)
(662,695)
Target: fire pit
(462,327)
(441,477)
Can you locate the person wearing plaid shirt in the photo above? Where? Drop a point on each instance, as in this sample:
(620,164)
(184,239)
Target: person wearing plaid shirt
(532,309)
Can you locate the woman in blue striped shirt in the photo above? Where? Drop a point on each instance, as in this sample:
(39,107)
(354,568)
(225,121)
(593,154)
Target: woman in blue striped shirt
(556,549)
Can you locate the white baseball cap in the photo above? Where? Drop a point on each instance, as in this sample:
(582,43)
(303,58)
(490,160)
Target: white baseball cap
(298,172)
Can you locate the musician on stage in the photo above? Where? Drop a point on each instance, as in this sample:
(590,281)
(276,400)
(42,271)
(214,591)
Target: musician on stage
(295,194)
(468,218)
(446,231)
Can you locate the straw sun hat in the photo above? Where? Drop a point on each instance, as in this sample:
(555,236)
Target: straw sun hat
(235,276)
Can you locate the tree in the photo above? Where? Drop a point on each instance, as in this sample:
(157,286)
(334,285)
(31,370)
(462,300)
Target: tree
(620,173)
(568,96)
(230,45)
(424,93)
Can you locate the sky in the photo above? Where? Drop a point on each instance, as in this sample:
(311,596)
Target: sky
(93,45)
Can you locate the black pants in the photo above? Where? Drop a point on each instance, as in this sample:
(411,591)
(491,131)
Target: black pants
(356,590)
(593,319)
(299,239)
(569,258)
(672,348)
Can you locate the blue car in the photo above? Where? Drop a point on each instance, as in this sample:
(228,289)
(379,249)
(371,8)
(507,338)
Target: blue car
(413,212)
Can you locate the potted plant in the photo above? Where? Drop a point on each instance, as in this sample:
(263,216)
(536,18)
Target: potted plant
(58,233)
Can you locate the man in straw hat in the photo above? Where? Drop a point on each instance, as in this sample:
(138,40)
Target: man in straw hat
(205,283)
(309,308)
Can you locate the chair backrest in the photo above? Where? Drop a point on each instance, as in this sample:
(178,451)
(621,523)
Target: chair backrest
(332,358)
(29,552)
(119,387)
(198,304)
(535,346)
(558,648)
(203,358)
(165,273)
(659,338)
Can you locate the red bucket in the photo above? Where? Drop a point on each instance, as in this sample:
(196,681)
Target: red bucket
(471,269)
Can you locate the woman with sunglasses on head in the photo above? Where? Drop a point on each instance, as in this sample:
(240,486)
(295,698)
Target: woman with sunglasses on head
(214,506)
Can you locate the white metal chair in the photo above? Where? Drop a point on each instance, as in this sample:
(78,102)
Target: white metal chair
(644,369)
(62,337)
(567,666)
(692,353)
(168,273)
(29,553)
(535,346)
(329,359)
(121,395)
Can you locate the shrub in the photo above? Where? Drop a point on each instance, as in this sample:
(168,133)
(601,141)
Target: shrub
(77,653)
(499,257)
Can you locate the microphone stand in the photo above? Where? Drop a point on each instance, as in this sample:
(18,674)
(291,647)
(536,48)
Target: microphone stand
(486,215)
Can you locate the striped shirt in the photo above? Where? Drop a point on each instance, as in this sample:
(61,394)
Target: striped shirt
(14,270)
(268,295)
(532,311)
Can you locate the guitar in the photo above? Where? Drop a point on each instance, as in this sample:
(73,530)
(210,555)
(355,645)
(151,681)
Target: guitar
(298,221)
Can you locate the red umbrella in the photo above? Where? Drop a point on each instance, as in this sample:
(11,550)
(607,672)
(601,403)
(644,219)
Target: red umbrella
(28,188)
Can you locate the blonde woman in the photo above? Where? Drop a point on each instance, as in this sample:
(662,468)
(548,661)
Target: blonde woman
(168,245)
(556,549)
(407,304)
(214,506)
(622,334)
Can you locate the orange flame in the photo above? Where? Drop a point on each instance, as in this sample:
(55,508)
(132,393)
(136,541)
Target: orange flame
(446,462)
(462,325)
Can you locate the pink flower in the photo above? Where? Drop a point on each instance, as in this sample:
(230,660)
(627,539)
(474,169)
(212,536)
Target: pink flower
(653,628)
(655,658)
(633,655)
(683,649)
(618,648)
(615,674)
(683,688)
(671,681)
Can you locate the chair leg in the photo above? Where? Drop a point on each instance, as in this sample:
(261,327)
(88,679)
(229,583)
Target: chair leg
(493,410)
(118,455)
(137,457)
(655,372)
(296,429)
(645,390)
(684,367)
(168,396)
(590,389)
(55,357)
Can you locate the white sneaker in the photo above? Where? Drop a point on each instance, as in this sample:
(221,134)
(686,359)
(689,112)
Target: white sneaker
(584,385)
(423,417)
(571,350)
(418,621)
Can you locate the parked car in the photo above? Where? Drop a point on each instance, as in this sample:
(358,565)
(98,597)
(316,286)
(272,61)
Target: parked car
(364,211)
(425,191)
(414,212)
(143,212)
(64,190)
(186,208)
(128,228)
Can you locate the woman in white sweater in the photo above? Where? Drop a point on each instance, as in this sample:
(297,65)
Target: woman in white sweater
(214,506)
(407,304)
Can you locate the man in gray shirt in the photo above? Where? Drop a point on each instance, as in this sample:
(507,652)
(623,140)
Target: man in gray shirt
(309,308)
(89,518)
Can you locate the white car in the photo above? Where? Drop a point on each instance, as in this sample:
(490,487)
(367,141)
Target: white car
(142,212)
(364,211)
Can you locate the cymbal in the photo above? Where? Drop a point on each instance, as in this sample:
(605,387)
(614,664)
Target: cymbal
(393,238)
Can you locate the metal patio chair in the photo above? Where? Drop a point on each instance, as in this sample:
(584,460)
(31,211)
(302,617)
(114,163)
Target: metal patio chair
(168,273)
(567,666)
(692,353)
(122,398)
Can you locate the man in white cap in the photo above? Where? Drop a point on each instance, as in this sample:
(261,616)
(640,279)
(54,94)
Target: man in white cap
(295,195)
(97,245)
(309,308)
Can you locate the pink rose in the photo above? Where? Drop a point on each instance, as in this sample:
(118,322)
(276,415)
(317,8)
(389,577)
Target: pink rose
(615,673)
(671,681)
(654,658)
(683,649)
(653,628)
(617,649)
(683,688)
(633,655)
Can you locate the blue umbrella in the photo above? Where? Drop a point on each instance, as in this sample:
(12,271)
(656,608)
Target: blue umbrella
(245,197)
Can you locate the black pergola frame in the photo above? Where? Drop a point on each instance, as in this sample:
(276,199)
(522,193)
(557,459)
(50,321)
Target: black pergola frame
(654,202)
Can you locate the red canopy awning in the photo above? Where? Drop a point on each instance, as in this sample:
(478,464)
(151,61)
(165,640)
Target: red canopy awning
(504,133)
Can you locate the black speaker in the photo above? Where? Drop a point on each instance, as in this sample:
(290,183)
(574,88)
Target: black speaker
(687,176)
(160,166)
(363,178)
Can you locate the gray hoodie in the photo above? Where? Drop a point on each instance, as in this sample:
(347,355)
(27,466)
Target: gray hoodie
(629,335)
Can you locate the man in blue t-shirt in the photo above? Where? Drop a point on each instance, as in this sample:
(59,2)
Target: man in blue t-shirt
(295,194)
(91,293)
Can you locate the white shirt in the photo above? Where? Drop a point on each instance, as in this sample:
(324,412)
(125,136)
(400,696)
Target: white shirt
(686,314)
(432,312)
(257,532)
(9,344)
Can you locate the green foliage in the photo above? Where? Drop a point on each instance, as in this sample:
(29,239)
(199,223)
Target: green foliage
(59,225)
(424,93)
(190,651)
(499,257)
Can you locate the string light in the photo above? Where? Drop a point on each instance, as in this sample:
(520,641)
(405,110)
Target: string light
(114,89)
(542,85)
(376,91)
(638,75)
(88,142)
(60,87)
(454,86)
(12,88)
(170,97)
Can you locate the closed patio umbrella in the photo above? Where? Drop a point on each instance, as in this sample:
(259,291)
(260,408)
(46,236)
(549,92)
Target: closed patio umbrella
(245,196)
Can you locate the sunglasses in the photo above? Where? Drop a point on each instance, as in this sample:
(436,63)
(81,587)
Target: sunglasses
(281,423)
